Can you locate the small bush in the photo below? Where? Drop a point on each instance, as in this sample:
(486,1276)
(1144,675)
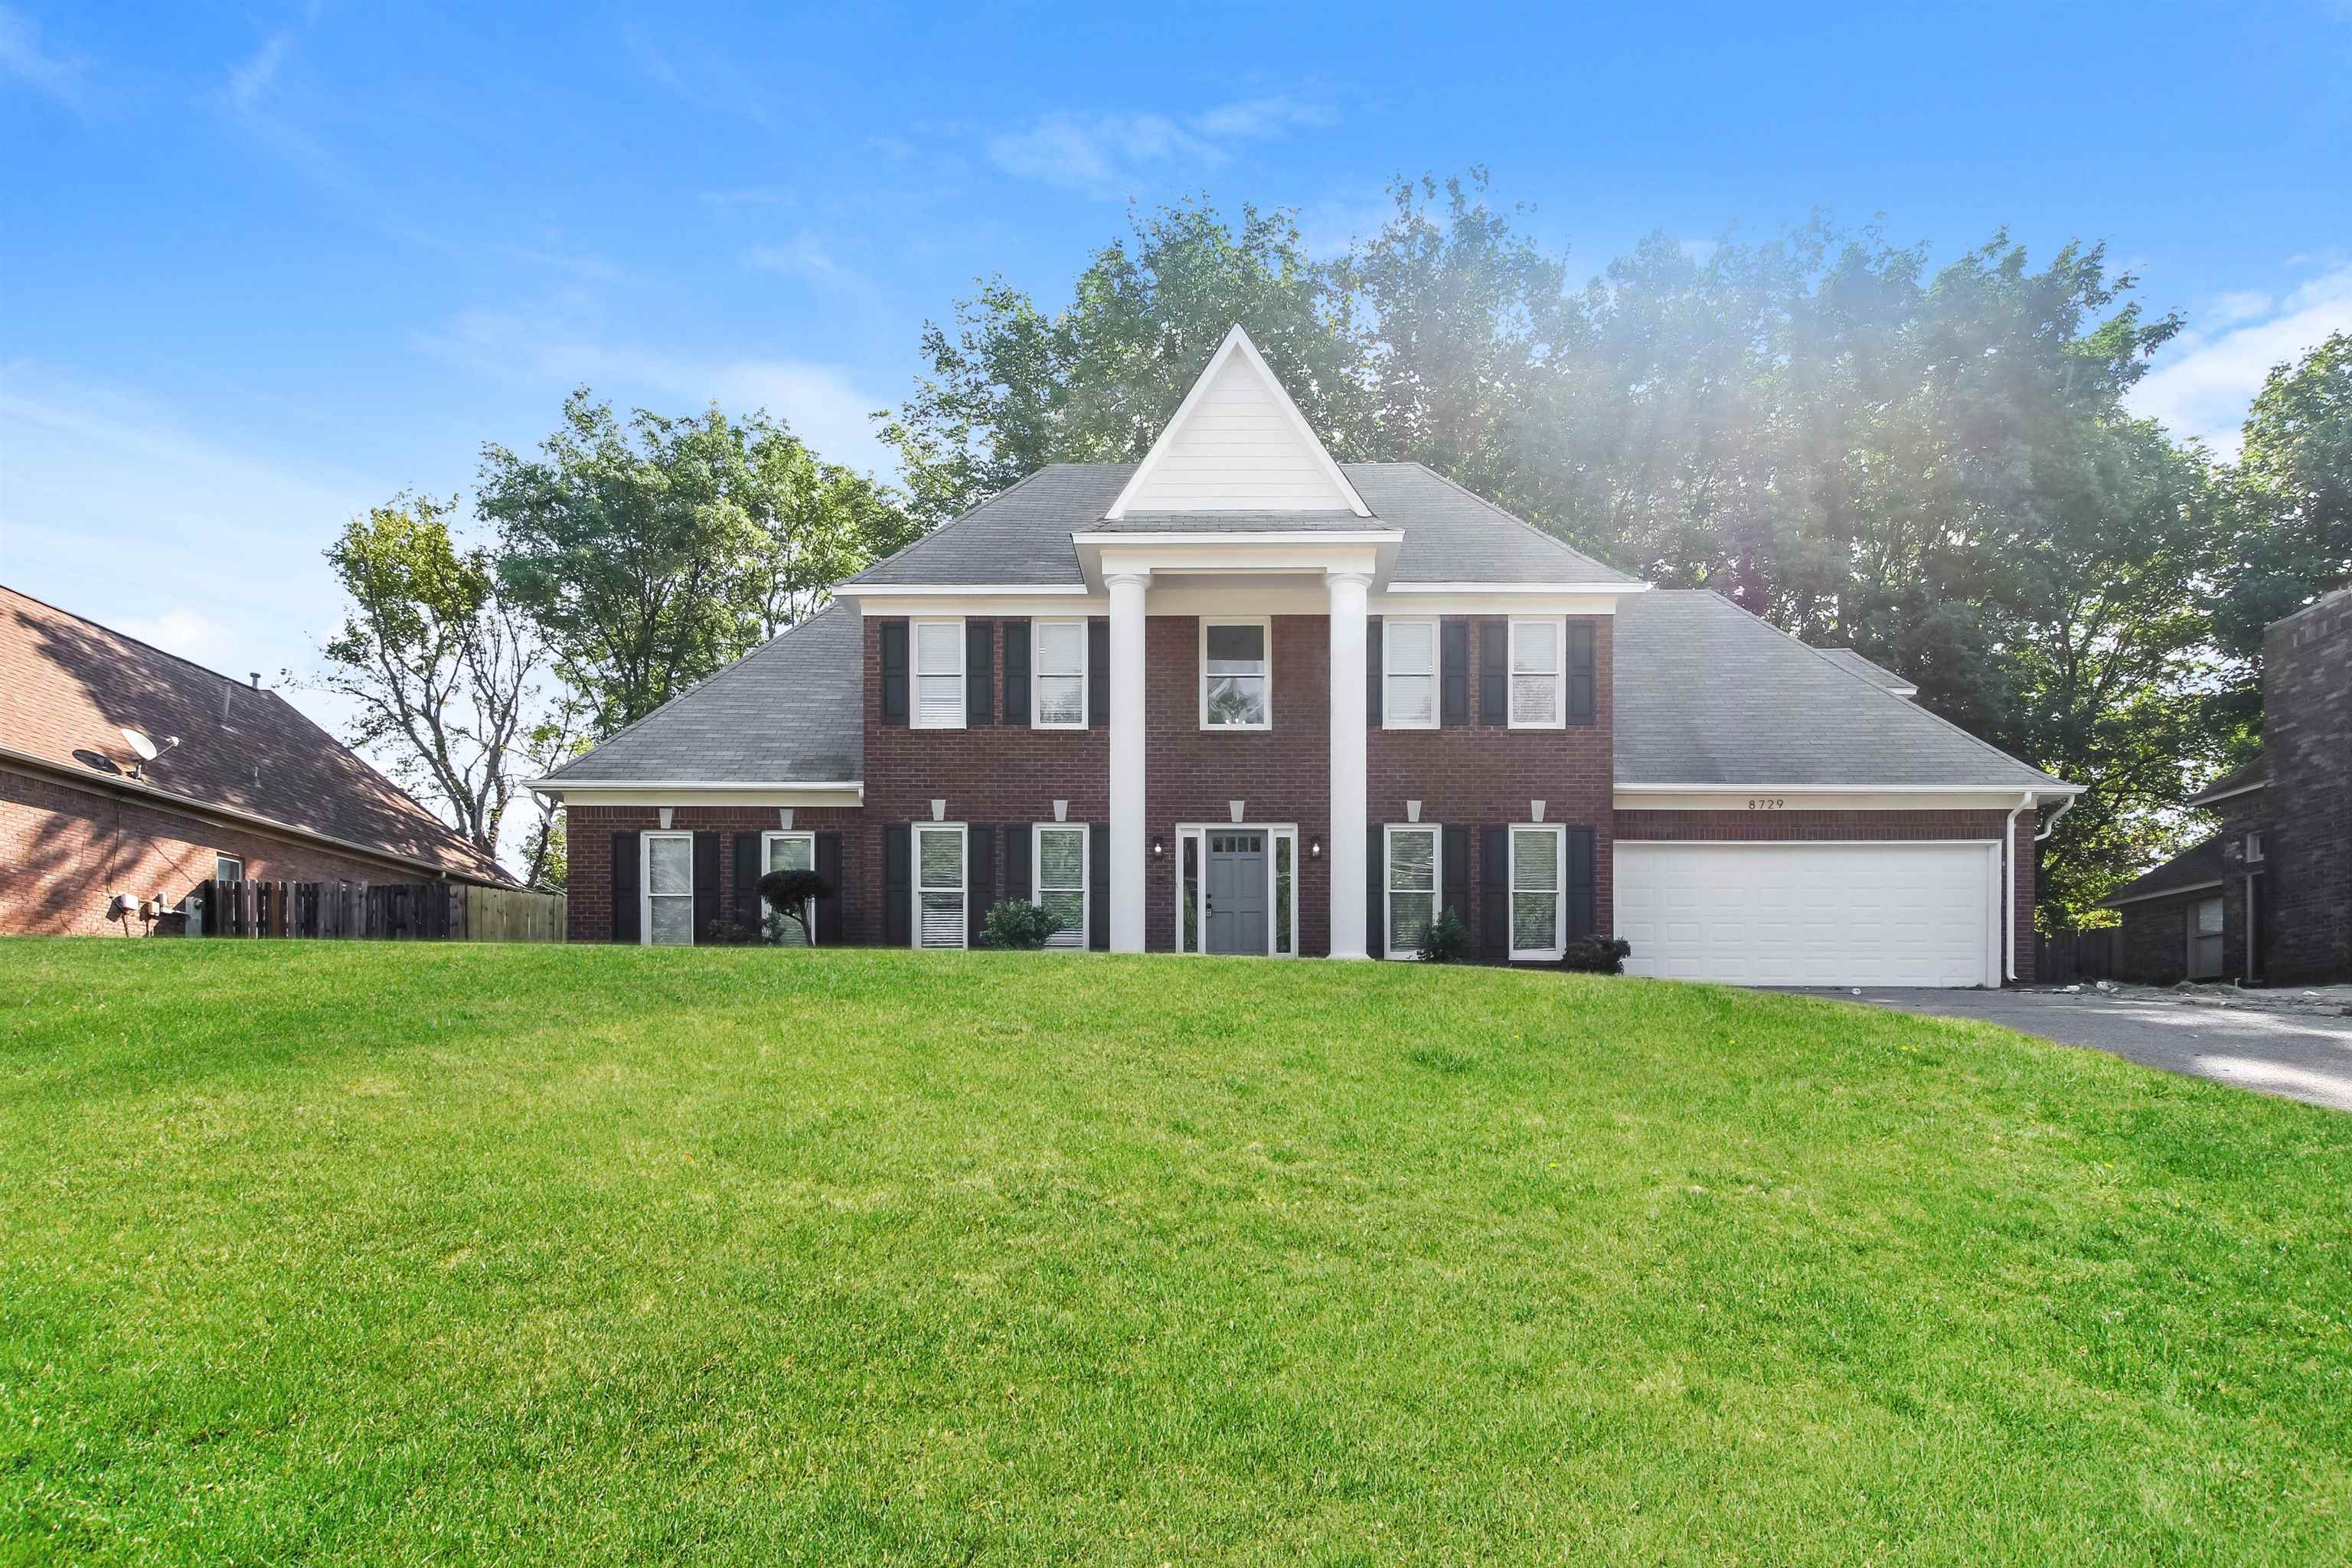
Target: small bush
(1017,923)
(726,932)
(788,894)
(1447,940)
(1597,954)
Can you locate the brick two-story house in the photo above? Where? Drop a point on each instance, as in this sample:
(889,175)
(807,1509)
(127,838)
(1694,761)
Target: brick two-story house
(1239,698)
(2268,898)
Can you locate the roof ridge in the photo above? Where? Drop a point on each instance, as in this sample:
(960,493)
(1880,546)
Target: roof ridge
(142,642)
(1869,685)
(964,516)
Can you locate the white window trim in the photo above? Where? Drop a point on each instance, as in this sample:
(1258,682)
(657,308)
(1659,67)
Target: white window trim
(916,888)
(1436,672)
(2255,848)
(768,858)
(1265,626)
(1085,655)
(219,858)
(645,883)
(1037,831)
(1198,833)
(1389,890)
(1559,889)
(915,672)
(1511,671)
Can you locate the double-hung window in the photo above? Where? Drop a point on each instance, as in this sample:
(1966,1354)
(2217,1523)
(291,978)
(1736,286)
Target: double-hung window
(1236,675)
(1413,888)
(791,852)
(1409,674)
(1058,652)
(939,919)
(1538,674)
(1061,881)
(1539,871)
(938,675)
(228,867)
(666,881)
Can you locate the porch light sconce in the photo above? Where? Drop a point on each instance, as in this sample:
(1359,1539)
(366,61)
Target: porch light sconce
(1314,847)
(938,811)
(1155,849)
(1535,811)
(666,813)
(1061,811)
(1412,811)
(784,818)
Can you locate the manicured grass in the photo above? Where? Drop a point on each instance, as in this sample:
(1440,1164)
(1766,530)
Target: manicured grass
(446,1254)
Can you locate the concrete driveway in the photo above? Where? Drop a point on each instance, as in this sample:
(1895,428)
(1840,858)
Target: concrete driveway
(2302,1055)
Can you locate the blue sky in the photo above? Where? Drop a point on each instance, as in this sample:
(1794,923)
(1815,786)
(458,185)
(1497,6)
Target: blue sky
(262,265)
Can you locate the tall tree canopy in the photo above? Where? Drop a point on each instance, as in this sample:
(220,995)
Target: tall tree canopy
(2295,490)
(1933,465)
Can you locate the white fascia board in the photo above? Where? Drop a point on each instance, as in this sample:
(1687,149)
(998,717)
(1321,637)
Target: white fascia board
(1250,554)
(1237,341)
(1072,601)
(954,590)
(701,792)
(1484,588)
(1259,538)
(2164,893)
(2202,801)
(1829,797)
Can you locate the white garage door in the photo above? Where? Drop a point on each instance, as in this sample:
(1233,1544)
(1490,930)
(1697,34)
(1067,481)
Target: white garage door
(1811,914)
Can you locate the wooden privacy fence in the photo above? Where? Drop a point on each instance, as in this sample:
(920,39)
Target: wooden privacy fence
(381,911)
(2071,957)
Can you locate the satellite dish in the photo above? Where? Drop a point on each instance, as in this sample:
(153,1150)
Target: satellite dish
(140,745)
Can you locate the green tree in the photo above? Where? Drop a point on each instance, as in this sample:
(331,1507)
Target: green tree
(443,672)
(2295,490)
(651,554)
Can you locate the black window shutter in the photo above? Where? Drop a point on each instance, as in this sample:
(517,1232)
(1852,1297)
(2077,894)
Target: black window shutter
(828,908)
(893,672)
(1016,861)
(1457,873)
(978,673)
(1097,673)
(1579,672)
(1016,672)
(747,880)
(1099,886)
(1581,912)
(1495,894)
(625,887)
(1376,888)
(979,877)
(1493,664)
(897,886)
(1372,640)
(706,883)
(1453,672)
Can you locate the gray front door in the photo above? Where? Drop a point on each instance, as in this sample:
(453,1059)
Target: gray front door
(1236,892)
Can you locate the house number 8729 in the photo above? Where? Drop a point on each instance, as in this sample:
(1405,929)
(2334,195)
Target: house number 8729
(1764,803)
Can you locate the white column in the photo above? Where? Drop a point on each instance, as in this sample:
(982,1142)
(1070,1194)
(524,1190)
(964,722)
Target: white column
(1126,750)
(1351,596)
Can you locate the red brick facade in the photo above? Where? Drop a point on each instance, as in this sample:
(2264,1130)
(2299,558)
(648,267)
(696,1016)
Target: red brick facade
(589,831)
(70,850)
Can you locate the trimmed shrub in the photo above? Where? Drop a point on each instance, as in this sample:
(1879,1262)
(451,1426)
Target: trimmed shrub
(1017,923)
(1447,940)
(1597,954)
(789,894)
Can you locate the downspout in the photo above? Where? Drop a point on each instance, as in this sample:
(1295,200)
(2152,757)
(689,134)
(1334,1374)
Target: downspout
(2009,887)
(2052,826)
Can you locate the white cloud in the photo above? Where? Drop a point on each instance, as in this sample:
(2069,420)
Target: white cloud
(2205,380)
(23,58)
(1107,154)
(248,81)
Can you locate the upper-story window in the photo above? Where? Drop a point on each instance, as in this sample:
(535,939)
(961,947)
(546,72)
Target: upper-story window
(1058,651)
(1409,674)
(1236,675)
(938,675)
(1538,673)
(2254,848)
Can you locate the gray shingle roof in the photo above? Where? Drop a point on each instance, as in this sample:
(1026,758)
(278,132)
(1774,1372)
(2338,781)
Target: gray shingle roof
(2255,774)
(789,712)
(1852,663)
(1022,536)
(2194,867)
(1707,694)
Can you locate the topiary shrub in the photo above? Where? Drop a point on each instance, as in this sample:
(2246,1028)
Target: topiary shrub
(1018,924)
(789,894)
(1447,940)
(1597,954)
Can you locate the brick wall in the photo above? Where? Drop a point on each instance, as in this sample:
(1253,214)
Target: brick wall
(2307,741)
(589,837)
(2155,950)
(70,850)
(1866,827)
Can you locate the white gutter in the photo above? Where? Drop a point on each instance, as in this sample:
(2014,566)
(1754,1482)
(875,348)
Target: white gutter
(1720,788)
(2202,801)
(1395,588)
(2163,894)
(2052,826)
(736,784)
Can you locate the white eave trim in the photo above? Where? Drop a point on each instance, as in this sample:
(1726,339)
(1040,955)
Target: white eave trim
(2164,893)
(560,787)
(1401,588)
(958,590)
(1126,538)
(2202,801)
(2053,788)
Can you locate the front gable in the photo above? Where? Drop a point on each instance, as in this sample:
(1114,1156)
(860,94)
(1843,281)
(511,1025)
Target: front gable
(1237,443)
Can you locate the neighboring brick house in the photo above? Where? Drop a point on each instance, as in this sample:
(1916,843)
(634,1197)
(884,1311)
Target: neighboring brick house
(244,785)
(2268,898)
(1239,698)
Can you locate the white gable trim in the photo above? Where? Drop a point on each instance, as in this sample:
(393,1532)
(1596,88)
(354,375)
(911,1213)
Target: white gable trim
(1237,342)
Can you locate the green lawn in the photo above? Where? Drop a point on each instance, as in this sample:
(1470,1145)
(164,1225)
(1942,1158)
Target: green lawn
(447,1254)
